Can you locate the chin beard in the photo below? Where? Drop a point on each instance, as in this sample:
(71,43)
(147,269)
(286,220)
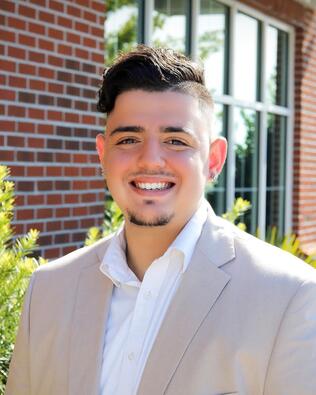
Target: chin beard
(159,221)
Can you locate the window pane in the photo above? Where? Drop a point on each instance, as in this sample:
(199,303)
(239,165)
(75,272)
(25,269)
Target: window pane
(246,154)
(216,191)
(120,28)
(212,33)
(246,58)
(277,62)
(169,24)
(276,145)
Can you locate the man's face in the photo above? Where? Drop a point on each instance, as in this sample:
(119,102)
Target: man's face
(156,156)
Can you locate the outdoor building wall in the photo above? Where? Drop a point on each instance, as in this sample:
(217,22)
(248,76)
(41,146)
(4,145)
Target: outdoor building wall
(52,56)
(304,155)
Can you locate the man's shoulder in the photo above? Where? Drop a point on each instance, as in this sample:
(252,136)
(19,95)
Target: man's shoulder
(255,256)
(78,259)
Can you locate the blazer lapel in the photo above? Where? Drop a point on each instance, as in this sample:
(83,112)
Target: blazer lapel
(200,287)
(87,334)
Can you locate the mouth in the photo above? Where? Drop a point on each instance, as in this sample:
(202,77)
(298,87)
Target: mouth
(152,186)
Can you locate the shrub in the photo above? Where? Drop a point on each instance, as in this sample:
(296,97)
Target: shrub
(16,266)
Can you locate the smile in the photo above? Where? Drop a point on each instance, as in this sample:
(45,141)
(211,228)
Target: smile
(153,186)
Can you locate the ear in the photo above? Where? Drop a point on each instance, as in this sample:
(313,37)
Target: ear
(100,142)
(218,153)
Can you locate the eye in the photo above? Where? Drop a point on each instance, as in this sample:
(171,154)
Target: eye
(176,142)
(127,140)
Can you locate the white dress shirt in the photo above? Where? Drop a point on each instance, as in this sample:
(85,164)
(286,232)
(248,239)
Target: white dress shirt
(137,308)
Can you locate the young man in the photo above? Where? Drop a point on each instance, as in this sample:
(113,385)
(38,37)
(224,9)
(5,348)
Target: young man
(178,301)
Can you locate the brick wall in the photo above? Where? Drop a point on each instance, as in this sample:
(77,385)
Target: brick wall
(304,161)
(52,55)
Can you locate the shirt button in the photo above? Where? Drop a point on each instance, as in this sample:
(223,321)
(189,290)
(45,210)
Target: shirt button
(147,295)
(131,356)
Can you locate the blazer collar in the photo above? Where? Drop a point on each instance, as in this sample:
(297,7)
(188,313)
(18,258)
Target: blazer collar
(201,286)
(93,297)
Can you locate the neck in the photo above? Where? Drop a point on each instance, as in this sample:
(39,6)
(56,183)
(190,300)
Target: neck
(145,244)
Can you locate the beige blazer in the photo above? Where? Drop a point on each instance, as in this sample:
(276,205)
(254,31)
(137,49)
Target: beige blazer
(243,321)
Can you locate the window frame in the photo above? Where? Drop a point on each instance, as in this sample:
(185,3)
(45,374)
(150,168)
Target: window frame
(262,107)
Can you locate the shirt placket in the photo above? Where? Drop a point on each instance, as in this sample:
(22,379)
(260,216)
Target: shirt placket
(143,312)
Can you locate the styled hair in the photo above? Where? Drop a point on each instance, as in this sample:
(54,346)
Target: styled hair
(152,70)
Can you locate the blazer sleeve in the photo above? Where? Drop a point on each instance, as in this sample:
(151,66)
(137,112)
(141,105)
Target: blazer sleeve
(292,367)
(19,371)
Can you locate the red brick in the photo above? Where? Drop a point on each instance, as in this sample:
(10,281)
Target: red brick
(44,213)
(55,5)
(25,68)
(47,45)
(47,17)
(81,53)
(16,141)
(17,171)
(75,11)
(25,214)
(56,61)
(46,73)
(35,200)
(35,171)
(6,156)
(8,6)
(17,82)
(55,225)
(64,49)
(89,16)
(7,35)
(69,117)
(90,43)
(36,57)
(7,65)
(45,129)
(81,27)
(55,88)
(54,115)
(55,34)
(36,28)
(27,127)
(54,199)
(62,212)
(99,6)
(27,11)
(26,40)
(74,38)
(16,111)
(52,252)
(55,171)
(16,52)
(65,22)
(45,185)
(25,156)
(36,113)
(35,143)
(71,199)
(37,85)
(7,95)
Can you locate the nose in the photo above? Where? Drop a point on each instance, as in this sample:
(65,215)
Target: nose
(151,155)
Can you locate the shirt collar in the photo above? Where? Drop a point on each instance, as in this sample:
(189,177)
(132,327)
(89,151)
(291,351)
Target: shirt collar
(114,263)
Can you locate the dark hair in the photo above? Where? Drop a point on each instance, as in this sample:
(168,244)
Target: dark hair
(152,69)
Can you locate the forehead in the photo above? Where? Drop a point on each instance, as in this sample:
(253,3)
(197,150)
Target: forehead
(160,107)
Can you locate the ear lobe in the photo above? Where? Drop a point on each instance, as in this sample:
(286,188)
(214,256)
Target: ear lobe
(218,153)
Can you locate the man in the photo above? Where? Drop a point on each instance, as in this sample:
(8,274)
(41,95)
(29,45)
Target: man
(178,301)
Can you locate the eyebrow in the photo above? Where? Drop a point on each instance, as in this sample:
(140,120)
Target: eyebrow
(139,129)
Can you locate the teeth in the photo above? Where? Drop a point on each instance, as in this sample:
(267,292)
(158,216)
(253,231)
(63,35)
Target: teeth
(152,185)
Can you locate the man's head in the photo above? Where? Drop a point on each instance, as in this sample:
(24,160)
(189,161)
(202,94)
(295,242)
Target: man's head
(153,70)
(156,152)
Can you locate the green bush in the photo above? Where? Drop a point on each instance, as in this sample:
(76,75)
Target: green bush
(16,266)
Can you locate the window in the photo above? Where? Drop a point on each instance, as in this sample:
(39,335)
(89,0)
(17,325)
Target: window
(247,60)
